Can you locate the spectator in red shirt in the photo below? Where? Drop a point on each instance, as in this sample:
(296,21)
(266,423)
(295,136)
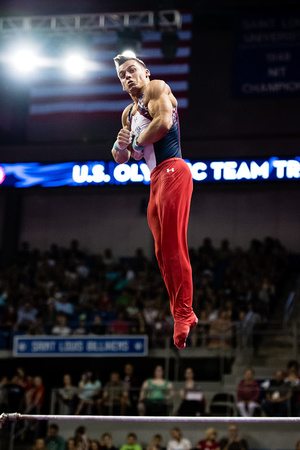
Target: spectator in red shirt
(210,441)
(248,394)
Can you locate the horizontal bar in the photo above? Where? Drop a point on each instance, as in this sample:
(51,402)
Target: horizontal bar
(168,419)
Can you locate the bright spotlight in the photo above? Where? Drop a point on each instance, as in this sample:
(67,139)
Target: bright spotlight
(129,54)
(24,60)
(75,65)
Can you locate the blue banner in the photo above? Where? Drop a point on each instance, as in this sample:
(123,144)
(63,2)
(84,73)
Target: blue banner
(92,173)
(105,346)
(267,55)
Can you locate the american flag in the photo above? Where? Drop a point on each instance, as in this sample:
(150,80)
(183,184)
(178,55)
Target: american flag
(100,93)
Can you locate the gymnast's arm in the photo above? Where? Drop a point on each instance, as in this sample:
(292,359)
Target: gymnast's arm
(160,102)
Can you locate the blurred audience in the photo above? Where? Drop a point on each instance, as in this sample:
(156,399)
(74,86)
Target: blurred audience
(210,442)
(193,401)
(156,395)
(177,441)
(248,394)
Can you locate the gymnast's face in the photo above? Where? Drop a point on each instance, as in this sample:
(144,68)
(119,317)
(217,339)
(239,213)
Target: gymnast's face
(133,76)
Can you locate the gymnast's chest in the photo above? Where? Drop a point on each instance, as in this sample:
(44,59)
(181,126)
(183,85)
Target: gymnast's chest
(139,123)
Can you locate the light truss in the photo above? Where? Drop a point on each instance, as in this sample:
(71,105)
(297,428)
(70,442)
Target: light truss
(169,19)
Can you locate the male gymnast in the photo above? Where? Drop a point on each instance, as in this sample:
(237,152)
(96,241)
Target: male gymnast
(150,130)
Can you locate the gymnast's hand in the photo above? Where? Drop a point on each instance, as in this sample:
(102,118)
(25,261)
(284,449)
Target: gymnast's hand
(124,138)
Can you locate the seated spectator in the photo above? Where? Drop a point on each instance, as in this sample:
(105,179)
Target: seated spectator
(106,442)
(62,304)
(162,328)
(210,441)
(156,443)
(67,396)
(97,326)
(233,441)
(9,318)
(61,328)
(115,398)
(248,394)
(53,440)
(155,395)
(193,401)
(35,396)
(81,439)
(37,327)
(89,389)
(293,378)
(297,447)
(220,331)
(131,443)
(70,444)
(26,315)
(278,397)
(39,444)
(82,326)
(178,442)
(120,325)
(94,445)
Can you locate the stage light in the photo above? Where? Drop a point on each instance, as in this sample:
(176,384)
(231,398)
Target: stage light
(25,60)
(76,65)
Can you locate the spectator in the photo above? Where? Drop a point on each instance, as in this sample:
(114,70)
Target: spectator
(220,331)
(278,397)
(35,396)
(155,395)
(193,401)
(37,327)
(210,441)
(106,442)
(297,447)
(3,398)
(115,398)
(294,380)
(89,389)
(156,443)
(233,441)
(13,395)
(25,316)
(67,396)
(62,304)
(39,444)
(94,445)
(61,328)
(81,439)
(97,326)
(82,326)
(248,394)
(131,384)
(178,442)
(53,440)
(70,444)
(131,443)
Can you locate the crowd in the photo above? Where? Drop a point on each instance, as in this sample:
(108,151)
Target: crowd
(81,441)
(125,394)
(64,291)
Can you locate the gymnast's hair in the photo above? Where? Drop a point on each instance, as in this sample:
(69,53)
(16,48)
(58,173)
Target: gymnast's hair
(120,59)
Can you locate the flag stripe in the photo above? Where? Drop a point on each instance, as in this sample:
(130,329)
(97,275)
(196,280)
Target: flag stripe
(100,92)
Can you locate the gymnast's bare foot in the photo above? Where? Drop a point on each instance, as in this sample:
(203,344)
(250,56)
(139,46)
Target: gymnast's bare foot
(181,332)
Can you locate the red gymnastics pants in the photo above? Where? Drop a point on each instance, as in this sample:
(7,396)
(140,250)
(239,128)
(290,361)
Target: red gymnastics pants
(168,214)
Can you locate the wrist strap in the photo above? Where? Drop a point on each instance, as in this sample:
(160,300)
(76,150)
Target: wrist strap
(117,148)
(135,146)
